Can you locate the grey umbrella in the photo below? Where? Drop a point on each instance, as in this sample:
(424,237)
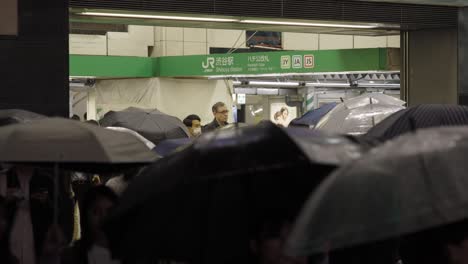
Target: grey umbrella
(57,140)
(13,116)
(71,144)
(413,183)
(150,123)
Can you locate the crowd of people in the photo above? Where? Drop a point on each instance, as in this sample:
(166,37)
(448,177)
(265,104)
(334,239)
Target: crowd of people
(28,232)
(29,235)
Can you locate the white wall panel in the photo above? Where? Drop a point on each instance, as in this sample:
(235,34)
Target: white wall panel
(393,41)
(87,44)
(221,38)
(300,41)
(173,48)
(173,34)
(195,48)
(361,42)
(195,34)
(328,42)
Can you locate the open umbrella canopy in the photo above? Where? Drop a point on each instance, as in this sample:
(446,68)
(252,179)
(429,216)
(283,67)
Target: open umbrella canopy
(421,116)
(199,204)
(168,146)
(69,142)
(416,182)
(13,116)
(357,120)
(312,117)
(152,124)
(373,98)
(148,143)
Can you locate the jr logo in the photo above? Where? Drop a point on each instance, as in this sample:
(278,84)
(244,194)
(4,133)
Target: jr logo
(210,63)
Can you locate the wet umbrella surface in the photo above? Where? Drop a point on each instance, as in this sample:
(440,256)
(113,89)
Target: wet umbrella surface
(416,182)
(198,205)
(357,115)
(421,116)
(151,124)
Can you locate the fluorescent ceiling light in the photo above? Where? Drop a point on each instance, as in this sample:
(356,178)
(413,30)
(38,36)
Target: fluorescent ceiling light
(260,83)
(214,19)
(81,77)
(327,85)
(305,24)
(203,19)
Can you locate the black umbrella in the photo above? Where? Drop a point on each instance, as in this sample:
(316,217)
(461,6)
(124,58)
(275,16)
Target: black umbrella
(13,116)
(197,205)
(152,124)
(416,182)
(421,116)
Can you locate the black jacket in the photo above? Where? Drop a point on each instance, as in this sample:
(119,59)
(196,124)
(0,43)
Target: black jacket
(212,126)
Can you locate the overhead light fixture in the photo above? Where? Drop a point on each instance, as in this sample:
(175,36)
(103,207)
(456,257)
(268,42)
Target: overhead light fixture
(327,85)
(185,18)
(231,20)
(267,84)
(306,24)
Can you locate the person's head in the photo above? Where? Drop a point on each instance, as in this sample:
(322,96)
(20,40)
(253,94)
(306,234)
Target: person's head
(193,123)
(96,206)
(443,245)
(284,112)
(220,112)
(75,117)
(268,240)
(92,122)
(277,116)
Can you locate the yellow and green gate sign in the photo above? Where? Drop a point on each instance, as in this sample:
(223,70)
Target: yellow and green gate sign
(300,62)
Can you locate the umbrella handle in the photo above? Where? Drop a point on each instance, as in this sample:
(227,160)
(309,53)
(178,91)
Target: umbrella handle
(56,190)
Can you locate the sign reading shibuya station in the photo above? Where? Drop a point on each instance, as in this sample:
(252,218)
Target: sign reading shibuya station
(378,59)
(273,63)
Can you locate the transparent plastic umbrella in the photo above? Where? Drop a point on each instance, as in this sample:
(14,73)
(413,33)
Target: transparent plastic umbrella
(373,98)
(356,120)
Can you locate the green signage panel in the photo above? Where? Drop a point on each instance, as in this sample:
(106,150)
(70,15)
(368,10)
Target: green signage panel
(111,66)
(236,64)
(274,63)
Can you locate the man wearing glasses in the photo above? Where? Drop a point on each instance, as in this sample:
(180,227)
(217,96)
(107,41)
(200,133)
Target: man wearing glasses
(220,113)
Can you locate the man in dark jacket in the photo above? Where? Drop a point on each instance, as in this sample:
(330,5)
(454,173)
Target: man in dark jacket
(220,113)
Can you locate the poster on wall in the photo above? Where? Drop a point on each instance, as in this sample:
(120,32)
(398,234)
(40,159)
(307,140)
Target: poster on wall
(9,18)
(282,114)
(267,39)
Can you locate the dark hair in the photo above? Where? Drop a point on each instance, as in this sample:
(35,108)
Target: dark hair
(430,246)
(75,117)
(91,196)
(277,115)
(284,109)
(188,120)
(216,106)
(92,122)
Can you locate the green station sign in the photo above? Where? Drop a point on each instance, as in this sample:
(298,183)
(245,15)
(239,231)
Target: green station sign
(300,62)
